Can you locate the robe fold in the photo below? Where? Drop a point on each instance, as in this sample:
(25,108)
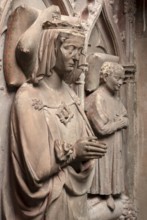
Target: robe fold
(40,189)
(102,110)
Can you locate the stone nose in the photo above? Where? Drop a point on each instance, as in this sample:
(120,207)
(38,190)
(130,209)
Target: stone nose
(75,54)
(120,82)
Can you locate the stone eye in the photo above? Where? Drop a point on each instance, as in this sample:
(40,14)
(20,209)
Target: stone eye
(70,48)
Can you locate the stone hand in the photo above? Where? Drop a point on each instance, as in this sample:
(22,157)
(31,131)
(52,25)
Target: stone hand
(122,122)
(89,148)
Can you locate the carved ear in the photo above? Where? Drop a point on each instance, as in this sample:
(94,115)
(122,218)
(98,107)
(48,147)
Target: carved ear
(101,77)
(105,78)
(20,20)
(62,39)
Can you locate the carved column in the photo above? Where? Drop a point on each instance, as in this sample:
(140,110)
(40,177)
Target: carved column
(129,10)
(128,95)
(130,99)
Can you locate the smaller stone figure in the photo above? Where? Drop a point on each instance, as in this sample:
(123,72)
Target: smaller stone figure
(108,117)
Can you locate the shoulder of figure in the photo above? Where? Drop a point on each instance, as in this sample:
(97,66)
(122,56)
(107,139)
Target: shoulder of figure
(26,94)
(100,94)
(97,95)
(73,95)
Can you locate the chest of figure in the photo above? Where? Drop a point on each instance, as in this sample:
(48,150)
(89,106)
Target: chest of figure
(112,106)
(64,122)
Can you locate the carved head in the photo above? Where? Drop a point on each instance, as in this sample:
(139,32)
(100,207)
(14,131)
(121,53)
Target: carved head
(60,50)
(112,74)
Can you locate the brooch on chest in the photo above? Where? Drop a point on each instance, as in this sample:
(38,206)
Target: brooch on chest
(37,104)
(64,113)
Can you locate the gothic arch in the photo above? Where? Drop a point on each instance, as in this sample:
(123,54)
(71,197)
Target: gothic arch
(91,12)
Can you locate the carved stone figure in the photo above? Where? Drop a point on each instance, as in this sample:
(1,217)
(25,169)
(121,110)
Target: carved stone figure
(52,146)
(108,116)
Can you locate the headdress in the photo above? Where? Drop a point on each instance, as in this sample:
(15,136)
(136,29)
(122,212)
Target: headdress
(46,59)
(63,24)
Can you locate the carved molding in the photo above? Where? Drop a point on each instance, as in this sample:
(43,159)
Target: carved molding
(130,9)
(5,5)
(61,5)
(90,15)
(65,6)
(115,33)
(130,71)
(94,10)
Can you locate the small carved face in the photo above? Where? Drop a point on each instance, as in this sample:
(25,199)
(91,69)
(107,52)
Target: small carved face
(68,56)
(114,81)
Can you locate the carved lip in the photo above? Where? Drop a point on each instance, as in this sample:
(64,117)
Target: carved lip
(117,87)
(71,65)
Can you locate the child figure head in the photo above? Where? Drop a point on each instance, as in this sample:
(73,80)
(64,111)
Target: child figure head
(112,75)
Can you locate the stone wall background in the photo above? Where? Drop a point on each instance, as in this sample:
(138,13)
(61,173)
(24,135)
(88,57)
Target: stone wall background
(141,63)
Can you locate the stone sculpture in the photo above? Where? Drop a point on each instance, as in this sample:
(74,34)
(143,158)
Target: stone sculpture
(108,116)
(52,146)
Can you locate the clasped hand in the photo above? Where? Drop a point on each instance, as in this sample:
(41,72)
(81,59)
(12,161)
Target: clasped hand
(89,148)
(122,121)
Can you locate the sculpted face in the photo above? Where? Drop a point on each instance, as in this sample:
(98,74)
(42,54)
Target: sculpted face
(68,56)
(114,81)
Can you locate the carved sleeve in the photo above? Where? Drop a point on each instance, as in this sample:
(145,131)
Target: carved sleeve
(100,120)
(30,145)
(37,175)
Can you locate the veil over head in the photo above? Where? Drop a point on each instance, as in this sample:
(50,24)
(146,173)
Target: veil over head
(51,40)
(46,54)
(40,55)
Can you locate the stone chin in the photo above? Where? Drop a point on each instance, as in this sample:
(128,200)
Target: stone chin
(70,77)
